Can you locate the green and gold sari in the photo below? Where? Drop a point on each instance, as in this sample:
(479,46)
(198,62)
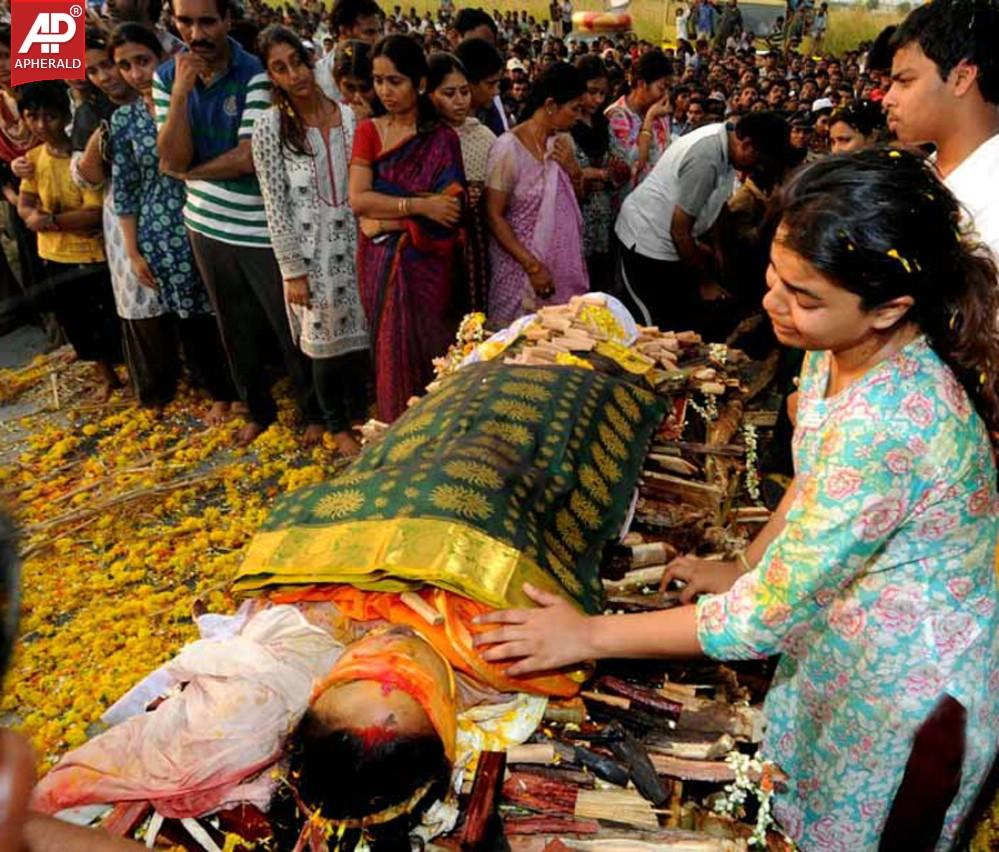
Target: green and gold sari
(506,474)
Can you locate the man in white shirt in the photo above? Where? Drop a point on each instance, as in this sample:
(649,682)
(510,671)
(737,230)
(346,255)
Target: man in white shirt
(664,265)
(945,90)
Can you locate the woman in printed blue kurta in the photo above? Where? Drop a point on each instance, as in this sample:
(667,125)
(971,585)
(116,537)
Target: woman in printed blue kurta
(150,205)
(875,579)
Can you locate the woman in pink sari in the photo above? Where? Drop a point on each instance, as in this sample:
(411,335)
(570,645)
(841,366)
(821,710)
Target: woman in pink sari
(536,250)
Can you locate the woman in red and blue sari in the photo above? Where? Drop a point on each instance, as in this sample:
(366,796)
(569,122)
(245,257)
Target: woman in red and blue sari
(407,188)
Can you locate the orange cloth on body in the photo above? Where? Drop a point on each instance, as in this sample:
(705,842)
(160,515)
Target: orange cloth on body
(394,668)
(452,639)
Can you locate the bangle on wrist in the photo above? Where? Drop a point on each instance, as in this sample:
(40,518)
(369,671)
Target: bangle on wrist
(741,556)
(645,132)
(403,207)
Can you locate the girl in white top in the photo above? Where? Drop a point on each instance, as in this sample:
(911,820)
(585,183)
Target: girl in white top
(301,153)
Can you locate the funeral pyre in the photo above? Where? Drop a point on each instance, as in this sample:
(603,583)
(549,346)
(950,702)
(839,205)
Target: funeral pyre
(649,756)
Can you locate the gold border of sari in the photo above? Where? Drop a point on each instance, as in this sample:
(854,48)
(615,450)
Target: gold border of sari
(393,555)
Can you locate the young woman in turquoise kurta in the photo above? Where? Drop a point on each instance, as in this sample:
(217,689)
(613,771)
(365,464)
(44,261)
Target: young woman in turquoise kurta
(875,580)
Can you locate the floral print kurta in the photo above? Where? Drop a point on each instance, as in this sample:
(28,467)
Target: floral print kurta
(140,189)
(880,594)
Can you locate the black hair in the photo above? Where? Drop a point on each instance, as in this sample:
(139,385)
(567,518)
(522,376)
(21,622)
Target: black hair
(95,38)
(405,53)
(441,64)
(866,117)
(5,35)
(651,66)
(292,130)
(469,19)
(561,82)
(955,31)
(154,9)
(44,94)
(881,224)
(346,13)
(480,58)
(593,140)
(879,55)
(353,59)
(223,7)
(135,34)
(344,776)
(769,132)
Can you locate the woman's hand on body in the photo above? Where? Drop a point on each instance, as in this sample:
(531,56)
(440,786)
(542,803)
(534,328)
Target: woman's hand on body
(141,270)
(552,636)
(701,576)
(296,291)
(443,209)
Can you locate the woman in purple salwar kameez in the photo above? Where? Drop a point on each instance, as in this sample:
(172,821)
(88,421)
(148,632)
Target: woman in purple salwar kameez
(536,249)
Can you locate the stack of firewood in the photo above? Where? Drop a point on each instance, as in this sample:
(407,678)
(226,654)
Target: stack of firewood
(630,762)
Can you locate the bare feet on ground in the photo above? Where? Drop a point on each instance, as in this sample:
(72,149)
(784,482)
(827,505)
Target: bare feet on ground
(107,382)
(249,433)
(313,435)
(217,414)
(347,444)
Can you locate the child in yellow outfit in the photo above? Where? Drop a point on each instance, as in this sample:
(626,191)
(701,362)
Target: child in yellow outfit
(68,223)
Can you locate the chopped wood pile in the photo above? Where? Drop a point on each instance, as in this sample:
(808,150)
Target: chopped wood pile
(639,760)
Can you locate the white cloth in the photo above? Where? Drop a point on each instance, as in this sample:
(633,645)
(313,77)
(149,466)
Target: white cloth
(313,231)
(694,173)
(975,183)
(324,77)
(202,749)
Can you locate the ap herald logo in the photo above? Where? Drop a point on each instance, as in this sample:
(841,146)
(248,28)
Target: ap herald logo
(49,41)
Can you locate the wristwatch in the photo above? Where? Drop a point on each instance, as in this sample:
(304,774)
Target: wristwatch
(50,223)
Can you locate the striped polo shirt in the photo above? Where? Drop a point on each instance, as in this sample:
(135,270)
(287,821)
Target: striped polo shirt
(221,115)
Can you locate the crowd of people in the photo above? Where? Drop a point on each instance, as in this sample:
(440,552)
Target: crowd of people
(244,192)
(249,191)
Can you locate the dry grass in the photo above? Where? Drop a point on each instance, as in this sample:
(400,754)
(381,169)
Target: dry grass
(848,25)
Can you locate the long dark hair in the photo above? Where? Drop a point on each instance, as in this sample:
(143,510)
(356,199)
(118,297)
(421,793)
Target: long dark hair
(405,53)
(291,130)
(134,34)
(560,82)
(880,224)
(340,773)
(592,139)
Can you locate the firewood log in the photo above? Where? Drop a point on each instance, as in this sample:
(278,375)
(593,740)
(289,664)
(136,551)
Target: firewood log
(647,699)
(559,826)
(480,815)
(643,774)
(716,772)
(539,794)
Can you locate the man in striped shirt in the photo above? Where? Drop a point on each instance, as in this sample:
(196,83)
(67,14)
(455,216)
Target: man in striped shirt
(206,100)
